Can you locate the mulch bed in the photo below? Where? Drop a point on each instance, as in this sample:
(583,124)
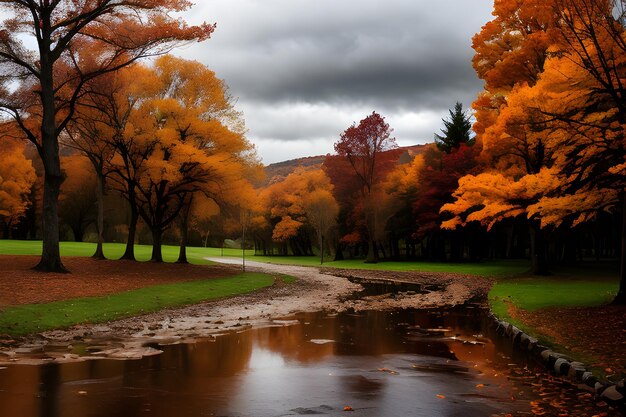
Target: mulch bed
(20,284)
(596,332)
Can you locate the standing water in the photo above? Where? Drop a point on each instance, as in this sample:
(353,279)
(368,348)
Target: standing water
(409,363)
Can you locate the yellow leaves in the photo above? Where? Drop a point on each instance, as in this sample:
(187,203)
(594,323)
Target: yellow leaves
(304,196)
(16,178)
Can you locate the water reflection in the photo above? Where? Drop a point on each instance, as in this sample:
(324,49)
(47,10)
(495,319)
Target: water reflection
(393,364)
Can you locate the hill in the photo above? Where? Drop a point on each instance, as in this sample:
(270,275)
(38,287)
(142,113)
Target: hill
(279,170)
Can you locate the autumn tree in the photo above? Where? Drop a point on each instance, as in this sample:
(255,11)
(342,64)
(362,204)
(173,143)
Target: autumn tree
(77,200)
(457,130)
(17,176)
(177,142)
(511,50)
(116,103)
(362,145)
(511,53)
(321,209)
(294,204)
(584,93)
(92,131)
(69,35)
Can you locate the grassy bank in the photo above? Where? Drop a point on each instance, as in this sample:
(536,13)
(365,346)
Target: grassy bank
(586,285)
(34,318)
(534,293)
(591,285)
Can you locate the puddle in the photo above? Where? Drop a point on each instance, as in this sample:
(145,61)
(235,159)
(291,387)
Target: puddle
(402,363)
(373,288)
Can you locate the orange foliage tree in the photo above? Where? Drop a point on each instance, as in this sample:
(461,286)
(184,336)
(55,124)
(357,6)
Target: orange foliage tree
(52,77)
(182,138)
(295,205)
(77,200)
(511,52)
(17,176)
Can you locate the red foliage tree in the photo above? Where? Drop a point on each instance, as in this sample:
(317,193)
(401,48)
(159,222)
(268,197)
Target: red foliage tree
(362,146)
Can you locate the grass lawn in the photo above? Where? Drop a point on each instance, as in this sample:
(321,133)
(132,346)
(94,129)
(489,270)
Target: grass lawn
(195,255)
(588,285)
(533,293)
(33,318)
(485,268)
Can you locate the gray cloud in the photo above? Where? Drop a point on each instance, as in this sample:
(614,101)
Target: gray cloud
(305,70)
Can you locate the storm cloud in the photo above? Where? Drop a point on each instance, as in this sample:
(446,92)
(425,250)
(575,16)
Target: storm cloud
(303,71)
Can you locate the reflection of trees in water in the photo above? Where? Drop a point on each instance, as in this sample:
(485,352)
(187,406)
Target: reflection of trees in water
(185,377)
(293,342)
(191,379)
(19,386)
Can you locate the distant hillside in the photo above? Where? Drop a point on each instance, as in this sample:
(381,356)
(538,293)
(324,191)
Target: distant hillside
(279,170)
(275,172)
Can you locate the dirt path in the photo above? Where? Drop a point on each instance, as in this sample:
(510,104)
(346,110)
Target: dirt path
(314,291)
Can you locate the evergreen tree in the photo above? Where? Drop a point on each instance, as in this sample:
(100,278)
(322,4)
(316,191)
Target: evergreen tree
(456,131)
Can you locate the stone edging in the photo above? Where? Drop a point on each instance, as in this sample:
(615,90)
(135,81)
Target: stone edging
(560,364)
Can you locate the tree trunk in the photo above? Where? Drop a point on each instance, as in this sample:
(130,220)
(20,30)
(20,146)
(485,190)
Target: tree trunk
(78,231)
(338,252)
(372,253)
(53,176)
(184,234)
(321,239)
(538,250)
(99,254)
(51,253)
(129,253)
(157,253)
(620,298)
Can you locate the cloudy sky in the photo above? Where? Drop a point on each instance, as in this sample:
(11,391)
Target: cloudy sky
(305,70)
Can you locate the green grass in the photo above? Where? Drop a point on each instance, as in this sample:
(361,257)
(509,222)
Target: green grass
(590,283)
(533,293)
(195,255)
(486,268)
(287,279)
(587,285)
(33,318)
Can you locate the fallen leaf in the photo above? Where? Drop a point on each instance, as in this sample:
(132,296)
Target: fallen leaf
(348,408)
(441,396)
